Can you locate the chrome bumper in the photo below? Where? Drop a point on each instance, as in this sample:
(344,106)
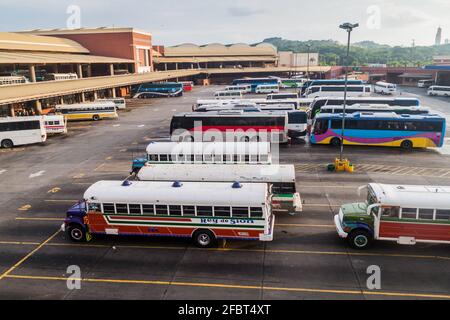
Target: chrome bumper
(340,231)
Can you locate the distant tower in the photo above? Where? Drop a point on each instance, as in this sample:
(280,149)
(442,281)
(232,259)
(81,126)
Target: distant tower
(438,37)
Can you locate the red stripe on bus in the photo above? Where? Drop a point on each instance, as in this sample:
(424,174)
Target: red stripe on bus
(420,231)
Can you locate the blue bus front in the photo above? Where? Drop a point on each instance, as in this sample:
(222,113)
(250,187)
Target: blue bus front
(137,164)
(75,216)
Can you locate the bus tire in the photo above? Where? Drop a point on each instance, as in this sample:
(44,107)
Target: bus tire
(335,142)
(77,233)
(360,239)
(7,144)
(407,145)
(204,238)
(95,117)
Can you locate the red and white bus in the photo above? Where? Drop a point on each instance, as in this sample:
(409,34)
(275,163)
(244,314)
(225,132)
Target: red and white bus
(174,209)
(401,213)
(55,124)
(187,85)
(229,126)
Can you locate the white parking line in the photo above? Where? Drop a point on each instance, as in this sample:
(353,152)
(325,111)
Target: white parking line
(2,171)
(141,125)
(37,174)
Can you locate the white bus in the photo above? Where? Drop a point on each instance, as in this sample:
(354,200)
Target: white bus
(282,96)
(382,87)
(17,131)
(401,213)
(281,178)
(60,76)
(222,95)
(11,80)
(425,83)
(243,88)
(300,103)
(338,91)
(267,88)
(120,102)
(439,91)
(201,211)
(88,111)
(55,124)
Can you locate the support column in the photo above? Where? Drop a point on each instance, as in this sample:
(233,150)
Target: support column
(12,113)
(83,97)
(165,66)
(61,100)
(111,69)
(32,71)
(80,71)
(38,107)
(176,66)
(95,95)
(113,92)
(89,70)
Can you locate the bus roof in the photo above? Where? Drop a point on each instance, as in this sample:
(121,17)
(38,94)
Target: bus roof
(190,193)
(252,148)
(374,107)
(412,196)
(216,173)
(380,115)
(104,104)
(368,98)
(225,113)
(18,119)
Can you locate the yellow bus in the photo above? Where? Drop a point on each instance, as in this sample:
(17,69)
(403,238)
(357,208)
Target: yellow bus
(88,111)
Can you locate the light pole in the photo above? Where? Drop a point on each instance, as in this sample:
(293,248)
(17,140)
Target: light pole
(349,28)
(307,63)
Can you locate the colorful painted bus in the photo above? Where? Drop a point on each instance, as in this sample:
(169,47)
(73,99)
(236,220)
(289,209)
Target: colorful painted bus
(255,82)
(318,103)
(281,178)
(88,111)
(400,213)
(55,124)
(380,129)
(230,125)
(157,90)
(167,152)
(374,108)
(173,209)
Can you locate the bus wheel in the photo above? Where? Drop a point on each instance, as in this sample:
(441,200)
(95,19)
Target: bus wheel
(77,233)
(204,238)
(96,117)
(7,144)
(335,142)
(407,145)
(360,239)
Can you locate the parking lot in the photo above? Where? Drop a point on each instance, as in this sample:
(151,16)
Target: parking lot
(306,260)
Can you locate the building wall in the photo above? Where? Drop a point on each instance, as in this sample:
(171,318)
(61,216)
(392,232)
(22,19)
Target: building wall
(290,59)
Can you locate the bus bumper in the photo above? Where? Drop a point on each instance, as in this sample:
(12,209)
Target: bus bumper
(268,236)
(340,231)
(298,205)
(63,227)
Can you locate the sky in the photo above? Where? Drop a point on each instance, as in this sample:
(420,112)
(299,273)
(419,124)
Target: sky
(172,22)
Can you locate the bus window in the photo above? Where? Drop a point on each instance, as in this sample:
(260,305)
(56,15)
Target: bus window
(204,211)
(109,208)
(161,210)
(222,212)
(409,213)
(175,210)
(443,215)
(426,214)
(321,127)
(240,212)
(391,212)
(256,212)
(148,209)
(189,211)
(135,208)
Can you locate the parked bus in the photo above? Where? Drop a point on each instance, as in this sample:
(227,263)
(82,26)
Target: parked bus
(60,76)
(173,209)
(281,178)
(337,91)
(385,88)
(425,83)
(12,80)
(226,95)
(230,124)
(187,85)
(401,213)
(282,96)
(374,108)
(55,124)
(333,82)
(205,153)
(120,102)
(301,103)
(292,83)
(439,91)
(380,129)
(267,88)
(318,103)
(244,88)
(157,90)
(255,82)
(17,131)
(88,111)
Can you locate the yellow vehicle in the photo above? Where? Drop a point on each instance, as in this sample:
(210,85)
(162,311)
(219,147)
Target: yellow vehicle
(88,111)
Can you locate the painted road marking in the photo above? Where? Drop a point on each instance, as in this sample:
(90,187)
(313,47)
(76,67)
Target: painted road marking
(14,267)
(61,200)
(39,219)
(123,150)
(109,158)
(78,176)
(25,207)
(54,190)
(37,174)
(116,125)
(141,125)
(2,171)
(19,243)
(234,286)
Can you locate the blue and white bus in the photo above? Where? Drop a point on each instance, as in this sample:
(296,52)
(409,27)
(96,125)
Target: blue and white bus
(255,82)
(380,129)
(157,90)
(334,82)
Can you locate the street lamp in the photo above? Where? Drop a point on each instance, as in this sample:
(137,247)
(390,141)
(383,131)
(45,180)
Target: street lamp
(307,63)
(349,28)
